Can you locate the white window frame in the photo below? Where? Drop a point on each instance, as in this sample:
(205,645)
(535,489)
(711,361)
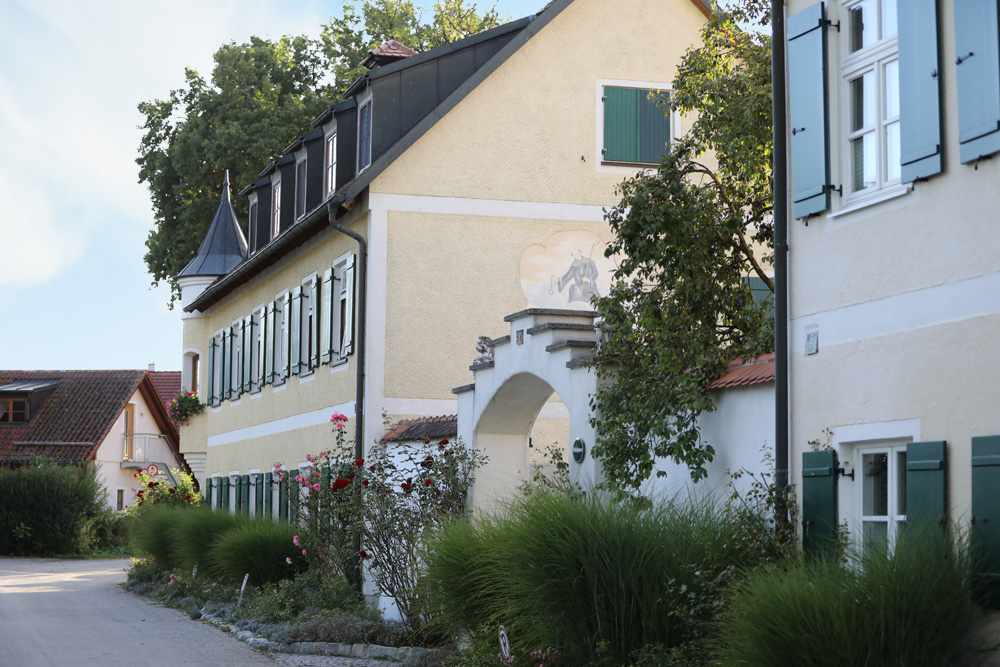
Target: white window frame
(366,101)
(598,156)
(893,518)
(300,188)
(872,58)
(305,326)
(236,369)
(330,163)
(258,322)
(343,301)
(275,208)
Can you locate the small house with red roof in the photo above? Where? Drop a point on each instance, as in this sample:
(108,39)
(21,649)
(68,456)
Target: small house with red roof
(115,419)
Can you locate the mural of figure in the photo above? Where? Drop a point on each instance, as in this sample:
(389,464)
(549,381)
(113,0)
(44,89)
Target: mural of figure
(581,277)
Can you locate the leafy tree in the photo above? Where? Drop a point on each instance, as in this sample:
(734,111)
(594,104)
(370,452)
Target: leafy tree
(688,234)
(260,97)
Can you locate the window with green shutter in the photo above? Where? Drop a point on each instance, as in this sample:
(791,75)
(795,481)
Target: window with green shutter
(926,484)
(919,91)
(295,329)
(819,502)
(763,297)
(636,125)
(807,105)
(977,75)
(986,515)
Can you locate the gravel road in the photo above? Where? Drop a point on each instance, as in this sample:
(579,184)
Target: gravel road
(75,612)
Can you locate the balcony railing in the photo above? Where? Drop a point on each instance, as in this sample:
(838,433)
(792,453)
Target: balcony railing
(146,448)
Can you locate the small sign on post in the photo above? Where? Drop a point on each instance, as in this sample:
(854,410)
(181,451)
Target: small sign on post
(243,588)
(152,470)
(579,450)
(504,643)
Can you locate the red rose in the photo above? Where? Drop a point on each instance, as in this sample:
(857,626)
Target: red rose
(405,487)
(409,480)
(351,475)
(172,490)
(427,482)
(364,483)
(359,462)
(341,483)
(372,468)
(363,554)
(444,441)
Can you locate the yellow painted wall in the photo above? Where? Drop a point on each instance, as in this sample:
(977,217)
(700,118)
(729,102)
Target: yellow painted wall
(451,279)
(521,133)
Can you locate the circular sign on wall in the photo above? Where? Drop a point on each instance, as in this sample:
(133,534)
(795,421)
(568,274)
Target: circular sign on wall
(152,470)
(579,450)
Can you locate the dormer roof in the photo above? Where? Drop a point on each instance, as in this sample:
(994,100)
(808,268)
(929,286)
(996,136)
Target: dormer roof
(387,52)
(224,246)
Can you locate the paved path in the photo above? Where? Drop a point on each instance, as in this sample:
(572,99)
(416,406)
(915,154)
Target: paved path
(74,612)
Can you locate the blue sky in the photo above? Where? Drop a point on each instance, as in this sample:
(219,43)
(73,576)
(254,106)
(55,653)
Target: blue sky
(74,291)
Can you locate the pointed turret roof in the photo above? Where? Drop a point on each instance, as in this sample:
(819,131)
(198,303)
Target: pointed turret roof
(224,246)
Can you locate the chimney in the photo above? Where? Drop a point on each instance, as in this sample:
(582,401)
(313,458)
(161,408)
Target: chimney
(152,368)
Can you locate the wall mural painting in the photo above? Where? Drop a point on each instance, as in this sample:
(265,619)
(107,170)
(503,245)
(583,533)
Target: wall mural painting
(566,271)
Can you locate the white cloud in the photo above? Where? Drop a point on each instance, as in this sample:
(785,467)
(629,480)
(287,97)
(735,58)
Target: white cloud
(35,248)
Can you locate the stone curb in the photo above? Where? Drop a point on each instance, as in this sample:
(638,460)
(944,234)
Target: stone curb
(373,651)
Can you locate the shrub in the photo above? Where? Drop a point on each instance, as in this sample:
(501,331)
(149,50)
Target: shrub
(911,609)
(312,588)
(579,572)
(107,531)
(153,534)
(156,492)
(194,533)
(343,628)
(262,548)
(44,507)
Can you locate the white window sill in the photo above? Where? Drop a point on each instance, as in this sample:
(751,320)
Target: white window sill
(306,377)
(886,194)
(339,364)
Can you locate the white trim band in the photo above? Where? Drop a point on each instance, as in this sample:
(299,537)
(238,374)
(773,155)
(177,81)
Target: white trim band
(284,425)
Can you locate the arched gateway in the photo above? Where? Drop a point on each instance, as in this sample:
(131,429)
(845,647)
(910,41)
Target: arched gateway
(514,380)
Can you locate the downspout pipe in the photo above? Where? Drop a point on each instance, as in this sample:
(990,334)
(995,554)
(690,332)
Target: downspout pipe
(360,344)
(780,175)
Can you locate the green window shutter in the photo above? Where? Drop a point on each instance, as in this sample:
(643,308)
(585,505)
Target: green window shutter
(317,312)
(212,349)
(919,91)
(206,496)
(977,51)
(269,495)
(227,361)
(258,494)
(819,502)
(654,127)
(295,330)
(283,499)
(225,493)
(269,343)
(621,124)
(807,104)
(986,515)
(249,345)
(286,316)
(218,493)
(347,345)
(261,346)
(926,483)
(245,494)
(326,316)
(763,297)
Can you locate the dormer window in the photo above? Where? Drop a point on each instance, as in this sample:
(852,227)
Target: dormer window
(330,157)
(300,189)
(364,136)
(276,209)
(13,410)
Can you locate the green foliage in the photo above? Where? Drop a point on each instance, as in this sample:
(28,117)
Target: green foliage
(153,534)
(260,96)
(183,406)
(312,588)
(261,547)
(45,507)
(910,609)
(195,531)
(107,532)
(678,311)
(571,571)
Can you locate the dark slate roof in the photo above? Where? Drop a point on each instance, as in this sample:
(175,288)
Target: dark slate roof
(77,415)
(434,428)
(167,383)
(387,52)
(224,246)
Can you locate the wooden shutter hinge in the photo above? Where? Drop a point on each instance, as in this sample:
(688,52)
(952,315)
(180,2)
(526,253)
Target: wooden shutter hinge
(839,189)
(843,473)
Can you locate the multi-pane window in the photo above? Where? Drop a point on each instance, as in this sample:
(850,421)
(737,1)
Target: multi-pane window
(13,410)
(300,189)
(364,136)
(330,180)
(882,494)
(276,209)
(871,76)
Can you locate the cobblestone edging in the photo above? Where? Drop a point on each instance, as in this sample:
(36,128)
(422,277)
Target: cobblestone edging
(336,649)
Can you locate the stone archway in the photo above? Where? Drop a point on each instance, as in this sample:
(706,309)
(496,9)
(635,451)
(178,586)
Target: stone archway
(514,379)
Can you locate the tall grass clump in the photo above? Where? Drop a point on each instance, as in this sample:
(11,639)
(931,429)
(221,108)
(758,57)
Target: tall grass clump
(153,534)
(599,578)
(909,609)
(262,548)
(195,530)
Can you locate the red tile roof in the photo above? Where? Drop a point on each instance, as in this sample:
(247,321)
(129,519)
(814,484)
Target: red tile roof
(744,374)
(435,428)
(76,416)
(386,53)
(167,383)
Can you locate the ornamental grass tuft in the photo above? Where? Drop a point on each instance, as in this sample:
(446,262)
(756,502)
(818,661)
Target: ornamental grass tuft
(262,548)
